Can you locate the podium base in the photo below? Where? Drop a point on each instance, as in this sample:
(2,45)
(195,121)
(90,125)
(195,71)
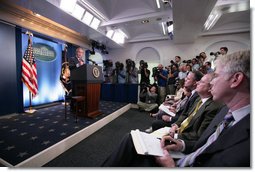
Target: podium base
(30,111)
(94,114)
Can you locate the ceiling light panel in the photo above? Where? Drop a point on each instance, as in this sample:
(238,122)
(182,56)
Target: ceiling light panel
(67,5)
(109,33)
(78,11)
(158,4)
(95,23)
(87,18)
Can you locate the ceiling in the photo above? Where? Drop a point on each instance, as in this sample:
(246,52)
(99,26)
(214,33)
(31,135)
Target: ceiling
(188,17)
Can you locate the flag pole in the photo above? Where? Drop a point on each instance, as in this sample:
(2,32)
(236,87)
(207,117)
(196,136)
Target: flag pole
(30,110)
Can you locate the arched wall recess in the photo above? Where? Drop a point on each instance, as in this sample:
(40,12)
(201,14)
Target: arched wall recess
(149,55)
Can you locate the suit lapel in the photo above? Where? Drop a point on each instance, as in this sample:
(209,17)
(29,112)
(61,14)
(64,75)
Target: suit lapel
(211,128)
(199,112)
(191,101)
(231,136)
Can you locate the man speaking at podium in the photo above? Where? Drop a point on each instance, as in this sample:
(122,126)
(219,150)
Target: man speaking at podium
(78,60)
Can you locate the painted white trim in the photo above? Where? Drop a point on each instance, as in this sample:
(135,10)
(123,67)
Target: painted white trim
(55,150)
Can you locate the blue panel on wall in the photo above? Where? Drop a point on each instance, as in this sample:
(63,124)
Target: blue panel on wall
(8,85)
(48,72)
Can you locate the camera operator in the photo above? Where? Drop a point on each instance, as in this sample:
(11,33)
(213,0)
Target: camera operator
(172,76)
(161,77)
(145,74)
(119,73)
(178,60)
(108,71)
(132,72)
(223,50)
(150,94)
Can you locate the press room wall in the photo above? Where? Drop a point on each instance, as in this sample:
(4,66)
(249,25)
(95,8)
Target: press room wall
(9,98)
(168,50)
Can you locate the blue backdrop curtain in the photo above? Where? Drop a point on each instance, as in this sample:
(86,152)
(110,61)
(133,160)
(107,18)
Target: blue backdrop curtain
(48,73)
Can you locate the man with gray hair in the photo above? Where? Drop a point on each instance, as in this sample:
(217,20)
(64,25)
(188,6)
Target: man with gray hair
(78,60)
(231,138)
(226,141)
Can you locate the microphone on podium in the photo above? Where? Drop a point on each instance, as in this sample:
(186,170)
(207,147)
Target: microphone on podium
(94,63)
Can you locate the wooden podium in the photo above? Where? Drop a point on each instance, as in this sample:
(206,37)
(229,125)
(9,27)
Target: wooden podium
(86,81)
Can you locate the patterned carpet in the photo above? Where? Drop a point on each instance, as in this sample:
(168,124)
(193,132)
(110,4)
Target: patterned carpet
(23,135)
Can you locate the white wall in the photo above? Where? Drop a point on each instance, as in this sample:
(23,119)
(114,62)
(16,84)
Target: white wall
(168,50)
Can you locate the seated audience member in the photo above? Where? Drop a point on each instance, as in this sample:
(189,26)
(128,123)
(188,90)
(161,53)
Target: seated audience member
(190,129)
(173,106)
(203,69)
(226,141)
(188,68)
(180,89)
(190,83)
(150,95)
(208,66)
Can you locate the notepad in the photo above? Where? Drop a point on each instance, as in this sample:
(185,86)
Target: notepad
(166,110)
(148,144)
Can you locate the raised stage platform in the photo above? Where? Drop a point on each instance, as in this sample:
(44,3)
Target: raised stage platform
(32,140)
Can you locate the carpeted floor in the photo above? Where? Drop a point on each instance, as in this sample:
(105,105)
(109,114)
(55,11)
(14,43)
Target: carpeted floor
(93,150)
(23,135)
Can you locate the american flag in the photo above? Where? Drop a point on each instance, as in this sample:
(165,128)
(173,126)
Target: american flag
(29,71)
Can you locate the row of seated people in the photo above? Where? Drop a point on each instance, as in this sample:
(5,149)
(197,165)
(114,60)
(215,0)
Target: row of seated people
(213,126)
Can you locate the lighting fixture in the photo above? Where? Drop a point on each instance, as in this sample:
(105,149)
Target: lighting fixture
(118,38)
(163,27)
(78,11)
(93,9)
(87,18)
(158,4)
(212,19)
(95,23)
(67,5)
(109,33)
(170,26)
(145,21)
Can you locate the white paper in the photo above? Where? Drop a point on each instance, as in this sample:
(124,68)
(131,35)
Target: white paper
(144,141)
(166,110)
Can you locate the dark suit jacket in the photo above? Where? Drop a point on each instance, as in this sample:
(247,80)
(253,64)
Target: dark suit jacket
(231,149)
(199,123)
(211,128)
(188,107)
(73,62)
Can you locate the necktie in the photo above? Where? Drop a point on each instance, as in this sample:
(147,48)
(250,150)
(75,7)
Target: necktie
(186,122)
(190,158)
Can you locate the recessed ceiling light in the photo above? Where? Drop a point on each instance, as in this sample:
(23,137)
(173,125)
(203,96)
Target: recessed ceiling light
(145,21)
